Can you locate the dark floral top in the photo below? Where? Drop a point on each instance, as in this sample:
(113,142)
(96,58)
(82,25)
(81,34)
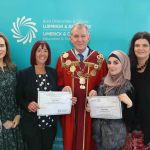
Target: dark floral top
(10,139)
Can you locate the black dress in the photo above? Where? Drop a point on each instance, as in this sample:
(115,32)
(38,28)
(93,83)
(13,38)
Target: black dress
(141,84)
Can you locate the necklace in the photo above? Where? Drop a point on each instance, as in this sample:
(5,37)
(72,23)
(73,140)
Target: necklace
(142,67)
(81,70)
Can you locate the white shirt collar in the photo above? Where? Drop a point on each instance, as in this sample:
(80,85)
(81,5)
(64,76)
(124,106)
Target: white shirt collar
(84,53)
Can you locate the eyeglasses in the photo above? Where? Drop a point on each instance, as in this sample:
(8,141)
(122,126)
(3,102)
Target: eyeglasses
(2,45)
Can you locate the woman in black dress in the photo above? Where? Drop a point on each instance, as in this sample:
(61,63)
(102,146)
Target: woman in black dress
(139,53)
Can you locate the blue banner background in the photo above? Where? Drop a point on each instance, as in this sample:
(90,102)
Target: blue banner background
(112,23)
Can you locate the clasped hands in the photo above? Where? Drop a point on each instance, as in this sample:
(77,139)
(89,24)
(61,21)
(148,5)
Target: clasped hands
(12,123)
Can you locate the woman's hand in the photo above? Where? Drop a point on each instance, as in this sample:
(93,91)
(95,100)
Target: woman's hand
(125,99)
(16,121)
(74,100)
(67,89)
(33,106)
(8,124)
(87,107)
(92,93)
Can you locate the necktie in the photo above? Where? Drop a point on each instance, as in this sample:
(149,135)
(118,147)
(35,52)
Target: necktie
(81,57)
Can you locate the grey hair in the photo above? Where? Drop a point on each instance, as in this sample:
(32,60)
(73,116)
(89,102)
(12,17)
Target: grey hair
(79,25)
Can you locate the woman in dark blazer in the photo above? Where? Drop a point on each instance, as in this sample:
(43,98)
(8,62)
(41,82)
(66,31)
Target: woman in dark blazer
(38,131)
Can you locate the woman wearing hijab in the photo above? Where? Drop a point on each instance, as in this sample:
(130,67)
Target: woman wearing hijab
(110,134)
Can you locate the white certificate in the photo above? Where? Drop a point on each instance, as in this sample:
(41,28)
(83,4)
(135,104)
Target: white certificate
(106,107)
(54,103)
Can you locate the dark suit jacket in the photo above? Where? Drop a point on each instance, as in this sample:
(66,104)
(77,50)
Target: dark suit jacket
(27,91)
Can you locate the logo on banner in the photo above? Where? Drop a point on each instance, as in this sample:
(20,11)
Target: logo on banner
(24,30)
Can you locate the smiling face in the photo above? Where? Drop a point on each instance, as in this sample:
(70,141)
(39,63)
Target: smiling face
(142,49)
(2,48)
(114,66)
(79,38)
(41,55)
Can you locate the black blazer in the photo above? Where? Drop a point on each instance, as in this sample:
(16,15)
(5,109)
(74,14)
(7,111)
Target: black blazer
(26,89)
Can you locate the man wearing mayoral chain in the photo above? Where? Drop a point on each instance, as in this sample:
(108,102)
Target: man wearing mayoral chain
(80,70)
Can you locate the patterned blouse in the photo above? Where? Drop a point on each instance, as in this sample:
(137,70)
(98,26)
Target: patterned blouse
(42,84)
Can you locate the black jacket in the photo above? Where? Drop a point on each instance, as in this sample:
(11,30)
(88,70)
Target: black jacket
(26,89)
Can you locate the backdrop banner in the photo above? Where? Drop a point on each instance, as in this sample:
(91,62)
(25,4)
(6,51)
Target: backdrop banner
(111,24)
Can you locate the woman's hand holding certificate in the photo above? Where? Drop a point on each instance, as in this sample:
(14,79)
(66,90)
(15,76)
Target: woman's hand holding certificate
(54,103)
(106,107)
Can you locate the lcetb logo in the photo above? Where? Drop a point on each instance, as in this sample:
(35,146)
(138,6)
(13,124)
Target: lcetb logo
(24,30)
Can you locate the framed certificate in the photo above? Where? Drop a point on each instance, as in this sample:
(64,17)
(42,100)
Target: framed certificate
(106,107)
(54,103)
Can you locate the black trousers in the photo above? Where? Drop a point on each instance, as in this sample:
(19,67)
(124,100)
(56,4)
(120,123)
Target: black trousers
(36,138)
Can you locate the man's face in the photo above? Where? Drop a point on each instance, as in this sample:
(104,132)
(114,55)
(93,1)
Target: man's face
(79,38)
